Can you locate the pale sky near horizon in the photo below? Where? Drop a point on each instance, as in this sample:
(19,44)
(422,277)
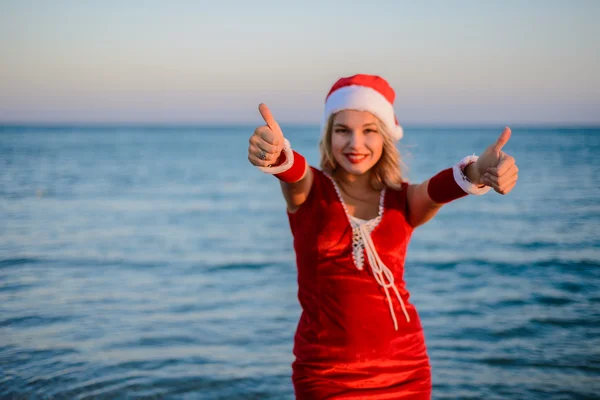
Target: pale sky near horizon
(507,62)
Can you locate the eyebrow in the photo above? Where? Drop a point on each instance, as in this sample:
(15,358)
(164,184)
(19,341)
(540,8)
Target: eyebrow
(346,126)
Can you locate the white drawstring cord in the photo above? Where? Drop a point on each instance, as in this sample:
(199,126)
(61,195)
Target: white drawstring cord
(379,270)
(377,266)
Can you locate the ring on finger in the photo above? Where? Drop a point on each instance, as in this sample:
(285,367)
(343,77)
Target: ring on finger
(262,155)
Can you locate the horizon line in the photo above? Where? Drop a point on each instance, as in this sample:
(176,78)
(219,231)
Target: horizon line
(140,124)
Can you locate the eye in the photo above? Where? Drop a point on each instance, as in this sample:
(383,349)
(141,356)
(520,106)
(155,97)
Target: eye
(341,130)
(369,130)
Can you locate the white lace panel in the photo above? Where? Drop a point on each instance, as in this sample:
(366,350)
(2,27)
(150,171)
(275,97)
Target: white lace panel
(358,245)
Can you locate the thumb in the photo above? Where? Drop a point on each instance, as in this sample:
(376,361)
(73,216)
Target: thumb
(502,139)
(269,120)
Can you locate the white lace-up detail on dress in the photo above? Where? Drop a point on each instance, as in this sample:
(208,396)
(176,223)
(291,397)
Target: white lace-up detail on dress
(362,242)
(358,246)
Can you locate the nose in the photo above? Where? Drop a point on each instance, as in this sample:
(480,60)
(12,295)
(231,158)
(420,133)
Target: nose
(356,140)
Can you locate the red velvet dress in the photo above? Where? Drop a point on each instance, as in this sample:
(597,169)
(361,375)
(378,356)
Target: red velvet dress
(346,345)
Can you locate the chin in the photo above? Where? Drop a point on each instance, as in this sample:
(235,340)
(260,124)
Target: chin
(353,170)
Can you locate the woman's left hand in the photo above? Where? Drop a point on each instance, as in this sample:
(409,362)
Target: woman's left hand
(494,167)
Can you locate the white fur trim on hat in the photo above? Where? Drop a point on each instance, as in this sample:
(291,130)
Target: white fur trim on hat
(362,98)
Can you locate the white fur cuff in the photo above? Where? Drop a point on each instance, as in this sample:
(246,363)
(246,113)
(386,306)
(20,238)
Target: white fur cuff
(289,161)
(463,181)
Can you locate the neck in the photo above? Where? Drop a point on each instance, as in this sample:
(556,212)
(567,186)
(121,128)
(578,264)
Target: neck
(358,182)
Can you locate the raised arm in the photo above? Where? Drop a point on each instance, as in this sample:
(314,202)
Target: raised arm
(271,152)
(475,175)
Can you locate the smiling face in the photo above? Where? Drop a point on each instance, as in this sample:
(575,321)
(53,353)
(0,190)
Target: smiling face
(356,141)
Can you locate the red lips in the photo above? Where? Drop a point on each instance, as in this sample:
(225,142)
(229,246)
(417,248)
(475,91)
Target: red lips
(355,158)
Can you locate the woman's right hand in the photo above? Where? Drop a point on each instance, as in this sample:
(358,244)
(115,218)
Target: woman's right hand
(266,143)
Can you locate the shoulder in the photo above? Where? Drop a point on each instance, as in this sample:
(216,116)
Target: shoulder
(402,188)
(317,190)
(398,196)
(317,172)
(320,178)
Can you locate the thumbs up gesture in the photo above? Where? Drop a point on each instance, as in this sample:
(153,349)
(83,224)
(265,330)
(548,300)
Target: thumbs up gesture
(494,167)
(266,143)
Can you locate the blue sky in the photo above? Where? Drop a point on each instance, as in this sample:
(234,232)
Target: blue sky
(507,62)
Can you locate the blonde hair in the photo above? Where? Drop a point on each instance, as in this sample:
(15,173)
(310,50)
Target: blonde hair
(387,172)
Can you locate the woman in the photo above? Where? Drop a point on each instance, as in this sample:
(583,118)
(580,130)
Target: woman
(359,336)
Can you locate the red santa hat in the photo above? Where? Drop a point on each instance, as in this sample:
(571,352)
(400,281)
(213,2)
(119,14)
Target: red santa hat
(364,93)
